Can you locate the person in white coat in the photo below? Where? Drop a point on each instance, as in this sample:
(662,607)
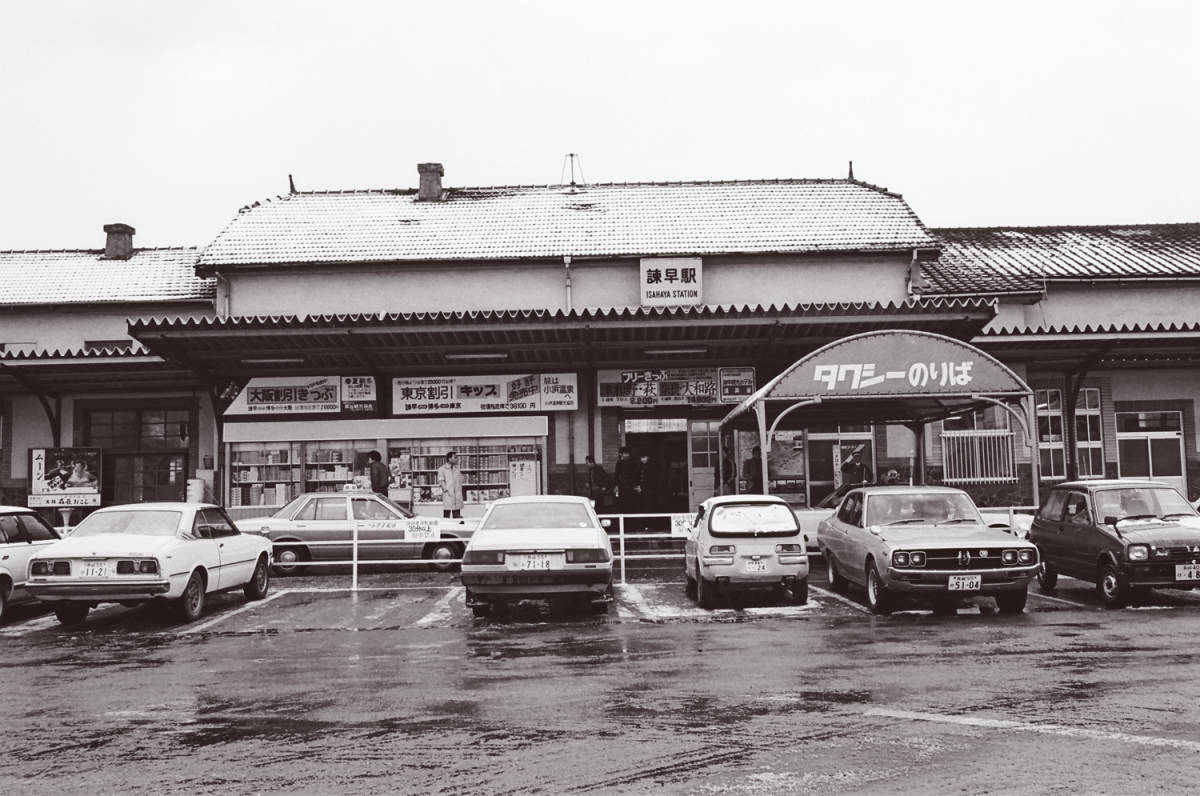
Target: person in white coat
(450,479)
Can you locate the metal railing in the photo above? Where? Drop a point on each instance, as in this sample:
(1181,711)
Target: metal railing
(983,456)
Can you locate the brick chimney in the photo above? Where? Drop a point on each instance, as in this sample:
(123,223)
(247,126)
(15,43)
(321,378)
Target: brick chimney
(119,244)
(431,182)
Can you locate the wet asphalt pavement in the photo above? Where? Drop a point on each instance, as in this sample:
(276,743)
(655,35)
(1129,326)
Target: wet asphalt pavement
(398,689)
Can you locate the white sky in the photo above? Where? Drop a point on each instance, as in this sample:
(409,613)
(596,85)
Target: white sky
(171,115)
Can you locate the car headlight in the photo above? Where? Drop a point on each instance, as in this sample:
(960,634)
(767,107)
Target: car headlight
(900,558)
(1137,552)
(1027,555)
(917,558)
(1008,557)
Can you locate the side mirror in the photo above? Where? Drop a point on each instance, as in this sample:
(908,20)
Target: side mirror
(605,523)
(875,529)
(1111,520)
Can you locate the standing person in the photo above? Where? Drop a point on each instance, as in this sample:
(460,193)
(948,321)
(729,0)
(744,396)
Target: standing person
(650,486)
(752,472)
(598,483)
(725,475)
(626,476)
(378,472)
(854,471)
(450,479)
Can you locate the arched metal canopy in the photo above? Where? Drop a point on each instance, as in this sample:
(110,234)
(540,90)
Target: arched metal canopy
(887,376)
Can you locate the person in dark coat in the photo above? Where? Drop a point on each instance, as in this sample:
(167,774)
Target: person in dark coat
(625,475)
(651,483)
(599,485)
(378,473)
(752,472)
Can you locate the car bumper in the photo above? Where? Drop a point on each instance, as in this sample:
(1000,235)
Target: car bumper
(1157,575)
(937,581)
(97,591)
(735,577)
(503,583)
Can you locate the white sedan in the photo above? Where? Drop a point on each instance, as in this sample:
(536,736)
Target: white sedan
(549,547)
(173,552)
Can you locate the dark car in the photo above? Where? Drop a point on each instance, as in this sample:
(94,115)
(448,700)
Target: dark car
(1124,536)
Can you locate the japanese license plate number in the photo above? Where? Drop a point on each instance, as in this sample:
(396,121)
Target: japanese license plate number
(535,561)
(1187,572)
(756,566)
(94,569)
(965,582)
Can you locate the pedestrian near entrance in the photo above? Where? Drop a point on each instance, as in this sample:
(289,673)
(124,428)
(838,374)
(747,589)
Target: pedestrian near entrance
(450,479)
(599,486)
(378,472)
(626,476)
(650,486)
(752,472)
(855,471)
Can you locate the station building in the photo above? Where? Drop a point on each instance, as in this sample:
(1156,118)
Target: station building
(526,327)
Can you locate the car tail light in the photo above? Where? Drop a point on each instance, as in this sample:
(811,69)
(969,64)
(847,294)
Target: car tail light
(722,549)
(1027,555)
(591,555)
(483,557)
(788,548)
(62,567)
(148,567)
(126,568)
(39,568)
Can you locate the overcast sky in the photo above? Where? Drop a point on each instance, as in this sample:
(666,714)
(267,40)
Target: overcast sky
(170,116)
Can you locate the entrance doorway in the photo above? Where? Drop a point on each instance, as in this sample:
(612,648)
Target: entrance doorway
(1150,445)
(828,449)
(668,451)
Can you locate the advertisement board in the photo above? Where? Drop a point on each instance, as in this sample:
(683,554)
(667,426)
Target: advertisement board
(64,477)
(290,395)
(673,387)
(527,392)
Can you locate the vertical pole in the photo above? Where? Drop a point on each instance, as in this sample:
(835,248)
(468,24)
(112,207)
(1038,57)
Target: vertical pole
(1035,458)
(621,539)
(919,428)
(354,554)
(760,410)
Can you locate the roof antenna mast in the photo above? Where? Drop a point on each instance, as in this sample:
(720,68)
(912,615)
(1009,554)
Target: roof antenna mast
(851,170)
(291,185)
(572,157)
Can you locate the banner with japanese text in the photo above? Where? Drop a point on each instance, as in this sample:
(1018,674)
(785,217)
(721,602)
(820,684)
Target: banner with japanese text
(671,281)
(289,395)
(438,395)
(64,477)
(673,386)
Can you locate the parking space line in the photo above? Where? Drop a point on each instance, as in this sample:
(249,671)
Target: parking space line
(839,598)
(440,613)
(1044,729)
(340,589)
(31,626)
(216,619)
(1057,599)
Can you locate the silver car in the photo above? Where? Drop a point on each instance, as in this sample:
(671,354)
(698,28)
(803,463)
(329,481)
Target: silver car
(925,542)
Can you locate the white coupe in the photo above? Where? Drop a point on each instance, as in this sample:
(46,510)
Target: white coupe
(173,552)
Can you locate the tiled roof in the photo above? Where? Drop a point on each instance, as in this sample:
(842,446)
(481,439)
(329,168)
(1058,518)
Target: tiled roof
(82,276)
(1021,259)
(612,219)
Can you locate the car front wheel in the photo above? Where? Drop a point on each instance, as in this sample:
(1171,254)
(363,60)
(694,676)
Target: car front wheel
(443,555)
(190,606)
(1011,602)
(1047,577)
(1110,587)
(260,581)
(877,597)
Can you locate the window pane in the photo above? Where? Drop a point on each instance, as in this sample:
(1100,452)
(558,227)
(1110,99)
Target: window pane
(1135,458)
(1165,455)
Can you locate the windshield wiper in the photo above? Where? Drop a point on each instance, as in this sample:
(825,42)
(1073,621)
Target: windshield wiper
(957,520)
(1178,514)
(1139,517)
(905,522)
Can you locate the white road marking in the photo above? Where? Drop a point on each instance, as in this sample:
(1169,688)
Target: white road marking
(440,613)
(1057,599)
(217,619)
(1044,729)
(840,598)
(338,589)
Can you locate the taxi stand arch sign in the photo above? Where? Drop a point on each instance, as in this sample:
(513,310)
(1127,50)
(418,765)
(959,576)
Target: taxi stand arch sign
(886,376)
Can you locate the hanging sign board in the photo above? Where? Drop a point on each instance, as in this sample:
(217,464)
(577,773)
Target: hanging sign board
(440,395)
(672,281)
(290,395)
(64,477)
(673,386)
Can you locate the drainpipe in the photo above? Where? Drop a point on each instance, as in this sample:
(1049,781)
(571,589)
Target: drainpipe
(223,289)
(567,274)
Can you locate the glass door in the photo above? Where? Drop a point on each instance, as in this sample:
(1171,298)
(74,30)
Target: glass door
(702,458)
(1150,445)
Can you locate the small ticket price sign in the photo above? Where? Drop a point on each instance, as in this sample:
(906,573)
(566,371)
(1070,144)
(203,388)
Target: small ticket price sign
(421,529)
(681,525)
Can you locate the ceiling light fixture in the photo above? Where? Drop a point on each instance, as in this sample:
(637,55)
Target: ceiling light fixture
(274,361)
(670,351)
(479,355)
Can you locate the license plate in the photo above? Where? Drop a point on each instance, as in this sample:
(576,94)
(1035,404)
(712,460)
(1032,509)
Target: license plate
(756,566)
(535,561)
(965,582)
(94,569)
(1187,572)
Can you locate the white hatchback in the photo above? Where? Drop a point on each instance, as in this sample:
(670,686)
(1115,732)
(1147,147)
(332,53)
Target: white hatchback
(22,534)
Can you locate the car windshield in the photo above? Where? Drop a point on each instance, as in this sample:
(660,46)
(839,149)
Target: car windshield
(291,508)
(936,508)
(1141,501)
(753,519)
(537,515)
(139,523)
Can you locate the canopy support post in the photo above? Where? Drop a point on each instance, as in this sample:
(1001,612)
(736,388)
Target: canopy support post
(760,411)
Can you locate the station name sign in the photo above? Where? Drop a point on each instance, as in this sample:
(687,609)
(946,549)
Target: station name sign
(671,281)
(528,392)
(286,395)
